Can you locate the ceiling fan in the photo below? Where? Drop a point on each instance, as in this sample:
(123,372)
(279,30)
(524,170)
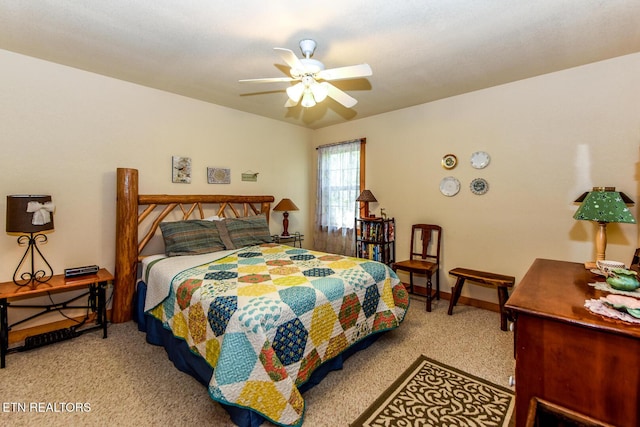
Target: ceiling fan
(308,72)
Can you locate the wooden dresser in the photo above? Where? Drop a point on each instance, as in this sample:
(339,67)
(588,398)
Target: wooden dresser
(569,356)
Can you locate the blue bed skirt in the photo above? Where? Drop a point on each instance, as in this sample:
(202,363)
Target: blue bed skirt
(186,361)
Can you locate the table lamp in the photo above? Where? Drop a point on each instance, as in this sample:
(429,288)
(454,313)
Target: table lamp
(366,196)
(30,216)
(285,205)
(604,205)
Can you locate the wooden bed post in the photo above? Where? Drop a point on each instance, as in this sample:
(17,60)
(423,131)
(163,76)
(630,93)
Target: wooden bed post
(126,245)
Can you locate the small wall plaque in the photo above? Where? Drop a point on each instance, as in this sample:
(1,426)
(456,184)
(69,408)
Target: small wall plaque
(250,176)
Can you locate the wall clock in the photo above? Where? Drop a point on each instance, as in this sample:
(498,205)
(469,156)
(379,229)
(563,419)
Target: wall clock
(449,161)
(449,186)
(480,159)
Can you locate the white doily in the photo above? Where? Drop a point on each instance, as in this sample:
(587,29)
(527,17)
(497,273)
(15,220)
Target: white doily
(604,286)
(596,306)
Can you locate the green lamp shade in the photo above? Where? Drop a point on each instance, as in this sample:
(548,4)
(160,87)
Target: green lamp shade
(604,206)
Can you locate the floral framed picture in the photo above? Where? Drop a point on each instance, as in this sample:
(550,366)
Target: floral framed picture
(181,170)
(218,176)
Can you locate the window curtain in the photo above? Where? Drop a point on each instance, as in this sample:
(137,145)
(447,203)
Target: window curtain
(338,187)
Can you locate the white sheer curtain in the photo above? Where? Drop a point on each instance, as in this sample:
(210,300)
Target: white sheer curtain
(337,190)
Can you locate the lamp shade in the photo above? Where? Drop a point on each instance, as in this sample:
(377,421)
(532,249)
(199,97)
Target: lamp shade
(604,205)
(307,99)
(320,91)
(29,213)
(625,198)
(366,196)
(285,205)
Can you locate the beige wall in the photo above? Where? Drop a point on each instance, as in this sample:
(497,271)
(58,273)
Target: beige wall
(65,131)
(550,139)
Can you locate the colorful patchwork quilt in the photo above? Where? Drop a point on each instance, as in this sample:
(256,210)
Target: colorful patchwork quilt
(265,317)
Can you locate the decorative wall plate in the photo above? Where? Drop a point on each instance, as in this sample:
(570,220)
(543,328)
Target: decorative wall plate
(449,186)
(479,186)
(449,161)
(480,159)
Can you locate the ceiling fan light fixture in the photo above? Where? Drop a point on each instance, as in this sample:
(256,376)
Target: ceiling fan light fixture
(307,72)
(307,99)
(319,91)
(295,92)
(311,66)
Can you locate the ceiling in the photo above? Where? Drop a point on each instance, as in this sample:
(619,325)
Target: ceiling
(419,50)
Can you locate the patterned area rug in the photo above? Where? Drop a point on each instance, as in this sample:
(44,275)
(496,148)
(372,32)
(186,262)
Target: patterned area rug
(430,393)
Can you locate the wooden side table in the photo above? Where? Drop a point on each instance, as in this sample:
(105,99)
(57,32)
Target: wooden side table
(295,238)
(10,293)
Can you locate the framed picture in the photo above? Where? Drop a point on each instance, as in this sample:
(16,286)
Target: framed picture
(218,176)
(181,170)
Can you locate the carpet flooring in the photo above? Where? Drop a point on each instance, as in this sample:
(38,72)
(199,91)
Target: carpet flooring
(430,393)
(123,381)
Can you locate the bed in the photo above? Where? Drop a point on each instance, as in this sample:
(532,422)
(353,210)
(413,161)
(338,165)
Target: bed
(256,322)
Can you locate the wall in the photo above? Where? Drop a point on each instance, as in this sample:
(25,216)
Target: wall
(65,131)
(550,139)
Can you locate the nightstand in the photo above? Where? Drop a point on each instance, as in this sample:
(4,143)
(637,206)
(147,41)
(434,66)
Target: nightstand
(97,302)
(295,238)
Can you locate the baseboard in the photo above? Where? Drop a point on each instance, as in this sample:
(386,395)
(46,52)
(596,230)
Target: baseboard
(19,335)
(486,305)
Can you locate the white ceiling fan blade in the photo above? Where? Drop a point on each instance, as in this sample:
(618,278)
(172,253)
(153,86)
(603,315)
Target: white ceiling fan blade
(269,80)
(290,58)
(349,72)
(340,96)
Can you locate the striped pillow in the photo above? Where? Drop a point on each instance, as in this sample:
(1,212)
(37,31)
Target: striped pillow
(191,237)
(248,231)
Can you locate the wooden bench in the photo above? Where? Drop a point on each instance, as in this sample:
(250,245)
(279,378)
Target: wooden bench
(499,281)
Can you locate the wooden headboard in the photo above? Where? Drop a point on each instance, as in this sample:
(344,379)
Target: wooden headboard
(135,210)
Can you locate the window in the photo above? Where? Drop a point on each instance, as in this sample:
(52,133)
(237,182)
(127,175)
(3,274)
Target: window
(339,181)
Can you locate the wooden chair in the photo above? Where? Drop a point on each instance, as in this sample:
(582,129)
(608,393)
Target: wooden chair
(424,258)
